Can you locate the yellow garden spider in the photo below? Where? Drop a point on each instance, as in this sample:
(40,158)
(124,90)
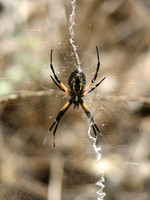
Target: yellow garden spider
(76,91)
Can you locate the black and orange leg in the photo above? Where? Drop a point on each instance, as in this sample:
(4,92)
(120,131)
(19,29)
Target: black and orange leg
(93,88)
(57,84)
(56,80)
(98,65)
(56,122)
(90,117)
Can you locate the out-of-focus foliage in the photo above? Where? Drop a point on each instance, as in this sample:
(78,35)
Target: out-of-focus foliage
(28,30)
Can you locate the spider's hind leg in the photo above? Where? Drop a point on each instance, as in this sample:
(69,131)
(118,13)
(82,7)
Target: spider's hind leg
(56,79)
(96,73)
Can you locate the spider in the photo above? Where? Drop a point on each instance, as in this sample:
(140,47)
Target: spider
(76,91)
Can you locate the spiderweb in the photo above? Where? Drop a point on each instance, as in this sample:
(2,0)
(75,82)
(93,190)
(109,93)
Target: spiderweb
(71,30)
(30,102)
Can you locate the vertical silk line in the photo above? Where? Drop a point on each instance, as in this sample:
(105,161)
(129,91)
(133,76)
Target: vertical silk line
(71,30)
(100,183)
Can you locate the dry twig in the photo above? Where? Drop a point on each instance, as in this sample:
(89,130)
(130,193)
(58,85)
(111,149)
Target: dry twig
(26,95)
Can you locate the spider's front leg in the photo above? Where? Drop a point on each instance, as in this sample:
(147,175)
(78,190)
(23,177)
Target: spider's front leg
(90,117)
(59,116)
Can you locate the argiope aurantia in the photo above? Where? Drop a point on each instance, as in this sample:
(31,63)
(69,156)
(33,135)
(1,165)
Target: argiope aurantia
(76,91)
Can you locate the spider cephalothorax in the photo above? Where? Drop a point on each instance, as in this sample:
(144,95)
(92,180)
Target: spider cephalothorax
(76,91)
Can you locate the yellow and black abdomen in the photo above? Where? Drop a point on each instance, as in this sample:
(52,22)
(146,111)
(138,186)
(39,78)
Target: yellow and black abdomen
(76,84)
(77,81)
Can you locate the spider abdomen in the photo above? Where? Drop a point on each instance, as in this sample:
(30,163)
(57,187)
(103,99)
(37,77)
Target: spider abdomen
(76,84)
(77,81)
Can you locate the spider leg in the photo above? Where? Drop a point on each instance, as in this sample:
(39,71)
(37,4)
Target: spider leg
(90,117)
(59,116)
(95,133)
(57,84)
(93,88)
(56,78)
(98,65)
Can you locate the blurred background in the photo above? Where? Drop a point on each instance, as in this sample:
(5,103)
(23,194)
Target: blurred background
(30,102)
